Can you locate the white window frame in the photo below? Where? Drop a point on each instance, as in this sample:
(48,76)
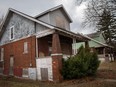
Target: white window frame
(25,47)
(12,27)
(2,54)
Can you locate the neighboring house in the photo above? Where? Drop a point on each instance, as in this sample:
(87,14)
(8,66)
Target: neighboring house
(33,47)
(98,42)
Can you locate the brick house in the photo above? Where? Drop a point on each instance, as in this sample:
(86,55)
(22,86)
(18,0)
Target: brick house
(33,47)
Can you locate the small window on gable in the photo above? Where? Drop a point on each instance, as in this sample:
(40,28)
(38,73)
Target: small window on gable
(25,47)
(2,54)
(11,32)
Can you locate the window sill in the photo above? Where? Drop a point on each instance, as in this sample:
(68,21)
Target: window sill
(25,52)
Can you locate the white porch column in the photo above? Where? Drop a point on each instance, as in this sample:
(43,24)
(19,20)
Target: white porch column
(104,53)
(74,45)
(36,48)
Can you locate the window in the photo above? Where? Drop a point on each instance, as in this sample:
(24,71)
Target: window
(2,54)
(11,32)
(25,47)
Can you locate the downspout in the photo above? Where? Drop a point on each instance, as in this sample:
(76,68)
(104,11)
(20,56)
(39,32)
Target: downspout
(36,49)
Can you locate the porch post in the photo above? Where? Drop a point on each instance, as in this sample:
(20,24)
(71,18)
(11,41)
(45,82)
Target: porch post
(56,58)
(74,45)
(104,53)
(36,47)
(86,44)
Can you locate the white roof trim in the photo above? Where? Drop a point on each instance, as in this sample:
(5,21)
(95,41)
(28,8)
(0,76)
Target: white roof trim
(71,33)
(31,18)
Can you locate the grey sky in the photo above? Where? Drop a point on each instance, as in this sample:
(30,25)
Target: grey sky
(34,7)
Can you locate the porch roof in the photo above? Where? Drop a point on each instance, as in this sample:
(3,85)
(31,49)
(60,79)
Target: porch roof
(78,37)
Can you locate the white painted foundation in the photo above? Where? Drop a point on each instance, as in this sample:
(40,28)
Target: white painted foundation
(44,63)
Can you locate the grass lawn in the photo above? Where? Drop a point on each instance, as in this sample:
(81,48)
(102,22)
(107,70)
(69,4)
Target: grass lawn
(105,71)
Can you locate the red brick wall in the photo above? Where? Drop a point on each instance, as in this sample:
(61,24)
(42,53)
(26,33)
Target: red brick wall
(56,59)
(21,60)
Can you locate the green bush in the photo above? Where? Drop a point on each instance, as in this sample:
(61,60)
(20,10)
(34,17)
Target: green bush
(82,64)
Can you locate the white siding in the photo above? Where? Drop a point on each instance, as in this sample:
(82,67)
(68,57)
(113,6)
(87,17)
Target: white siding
(40,28)
(59,13)
(50,18)
(45,18)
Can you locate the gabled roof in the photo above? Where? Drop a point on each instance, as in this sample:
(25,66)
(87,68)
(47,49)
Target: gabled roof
(30,18)
(9,13)
(53,9)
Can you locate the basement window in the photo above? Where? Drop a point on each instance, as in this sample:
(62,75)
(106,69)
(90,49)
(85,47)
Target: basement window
(11,32)
(2,54)
(25,47)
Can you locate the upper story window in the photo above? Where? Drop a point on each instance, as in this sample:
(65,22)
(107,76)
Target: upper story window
(11,32)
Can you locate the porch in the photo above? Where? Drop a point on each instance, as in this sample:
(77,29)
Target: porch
(51,47)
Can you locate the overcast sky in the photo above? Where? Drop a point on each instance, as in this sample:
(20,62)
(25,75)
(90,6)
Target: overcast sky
(34,7)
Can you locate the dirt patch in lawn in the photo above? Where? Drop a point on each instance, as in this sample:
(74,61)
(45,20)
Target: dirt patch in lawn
(106,74)
(107,66)
(107,70)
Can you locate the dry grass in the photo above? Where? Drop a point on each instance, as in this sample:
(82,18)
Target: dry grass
(106,70)
(108,66)
(71,83)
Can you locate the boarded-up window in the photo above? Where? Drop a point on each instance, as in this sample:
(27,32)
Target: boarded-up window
(2,54)
(11,32)
(25,47)
(60,22)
